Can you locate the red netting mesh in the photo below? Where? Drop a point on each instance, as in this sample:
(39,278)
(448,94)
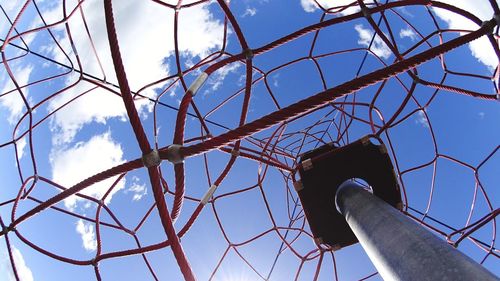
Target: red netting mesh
(428,100)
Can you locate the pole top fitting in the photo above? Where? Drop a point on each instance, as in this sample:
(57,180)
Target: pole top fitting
(173,154)
(151,159)
(334,168)
(346,184)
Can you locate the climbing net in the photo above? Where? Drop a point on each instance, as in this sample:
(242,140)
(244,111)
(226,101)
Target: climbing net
(215,132)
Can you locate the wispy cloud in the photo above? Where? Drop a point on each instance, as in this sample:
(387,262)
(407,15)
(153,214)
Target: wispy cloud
(6,272)
(408,33)
(275,79)
(217,78)
(421,119)
(21,145)
(378,46)
(137,189)
(249,12)
(86,231)
(13,101)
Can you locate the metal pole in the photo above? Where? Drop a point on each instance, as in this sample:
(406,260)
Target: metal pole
(399,248)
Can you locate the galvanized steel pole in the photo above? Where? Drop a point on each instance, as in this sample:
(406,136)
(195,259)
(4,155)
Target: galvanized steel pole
(399,248)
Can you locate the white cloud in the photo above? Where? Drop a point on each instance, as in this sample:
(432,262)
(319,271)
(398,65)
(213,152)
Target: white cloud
(70,119)
(378,46)
(408,33)
(217,78)
(84,159)
(249,12)
(310,6)
(86,231)
(275,79)
(481,49)
(6,272)
(422,119)
(23,271)
(12,8)
(145,42)
(138,190)
(13,101)
(21,145)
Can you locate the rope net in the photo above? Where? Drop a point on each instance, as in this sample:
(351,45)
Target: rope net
(95,94)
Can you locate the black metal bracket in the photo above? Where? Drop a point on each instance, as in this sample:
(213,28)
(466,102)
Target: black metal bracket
(324,169)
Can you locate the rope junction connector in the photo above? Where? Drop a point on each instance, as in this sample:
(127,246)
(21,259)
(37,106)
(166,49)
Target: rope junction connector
(235,153)
(248,54)
(6,229)
(416,79)
(366,12)
(173,154)
(495,21)
(151,159)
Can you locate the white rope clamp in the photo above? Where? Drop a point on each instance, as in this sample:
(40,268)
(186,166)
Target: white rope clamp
(151,159)
(174,154)
(209,194)
(198,82)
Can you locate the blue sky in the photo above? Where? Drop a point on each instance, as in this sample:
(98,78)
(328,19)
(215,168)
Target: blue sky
(84,129)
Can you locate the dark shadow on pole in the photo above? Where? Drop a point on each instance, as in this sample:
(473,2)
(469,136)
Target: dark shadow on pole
(399,248)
